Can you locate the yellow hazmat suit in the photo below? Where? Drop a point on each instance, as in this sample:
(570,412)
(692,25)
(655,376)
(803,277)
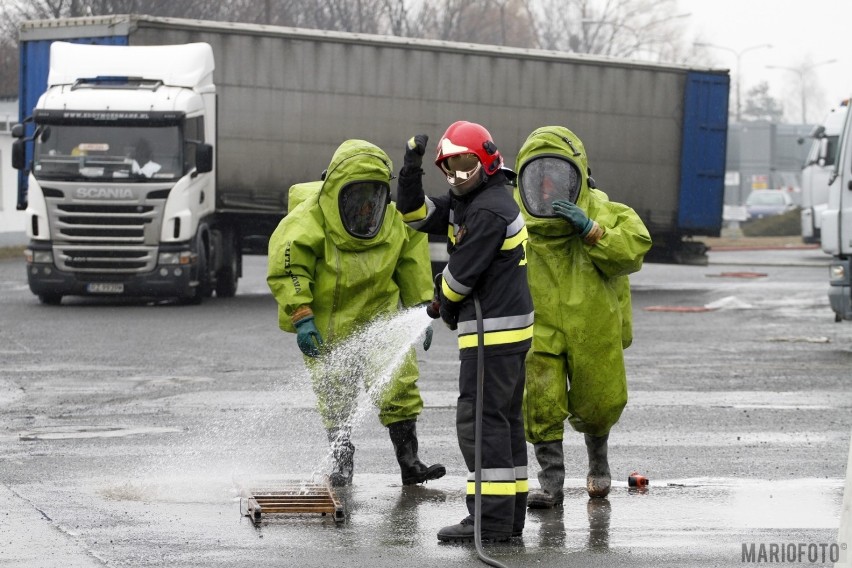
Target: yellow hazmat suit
(582,300)
(317,264)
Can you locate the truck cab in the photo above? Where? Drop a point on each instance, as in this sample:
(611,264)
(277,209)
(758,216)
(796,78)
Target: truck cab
(818,168)
(837,227)
(121,194)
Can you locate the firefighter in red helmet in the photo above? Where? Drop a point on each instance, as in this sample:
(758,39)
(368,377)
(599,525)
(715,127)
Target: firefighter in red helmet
(487,241)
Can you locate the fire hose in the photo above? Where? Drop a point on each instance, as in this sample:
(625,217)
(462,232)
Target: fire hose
(433,309)
(477,459)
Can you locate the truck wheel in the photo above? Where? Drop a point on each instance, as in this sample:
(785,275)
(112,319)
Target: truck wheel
(50,299)
(226,280)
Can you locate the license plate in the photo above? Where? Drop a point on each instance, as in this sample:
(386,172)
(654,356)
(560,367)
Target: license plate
(105,288)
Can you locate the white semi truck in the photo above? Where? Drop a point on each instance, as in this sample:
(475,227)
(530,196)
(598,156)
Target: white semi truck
(818,168)
(837,227)
(238,113)
(121,189)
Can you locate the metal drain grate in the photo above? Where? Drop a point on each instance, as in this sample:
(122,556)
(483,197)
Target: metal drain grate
(292,498)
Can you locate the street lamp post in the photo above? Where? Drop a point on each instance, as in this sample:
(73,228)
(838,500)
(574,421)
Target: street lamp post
(801,71)
(739,54)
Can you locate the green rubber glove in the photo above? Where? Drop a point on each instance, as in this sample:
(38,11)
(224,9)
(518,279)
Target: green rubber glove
(573,215)
(308,337)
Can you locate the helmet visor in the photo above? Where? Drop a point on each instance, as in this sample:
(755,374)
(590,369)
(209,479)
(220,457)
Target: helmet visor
(545,180)
(362,207)
(460,168)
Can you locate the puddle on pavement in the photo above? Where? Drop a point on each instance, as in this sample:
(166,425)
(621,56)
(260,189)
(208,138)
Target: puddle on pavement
(169,380)
(668,513)
(82,432)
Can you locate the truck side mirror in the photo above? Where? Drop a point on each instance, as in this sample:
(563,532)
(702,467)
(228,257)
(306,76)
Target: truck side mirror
(204,158)
(18,131)
(19,156)
(822,156)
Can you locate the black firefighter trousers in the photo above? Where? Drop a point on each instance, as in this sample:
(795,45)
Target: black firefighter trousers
(504,451)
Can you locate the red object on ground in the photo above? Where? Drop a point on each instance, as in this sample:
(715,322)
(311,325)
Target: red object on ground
(739,275)
(637,480)
(678,309)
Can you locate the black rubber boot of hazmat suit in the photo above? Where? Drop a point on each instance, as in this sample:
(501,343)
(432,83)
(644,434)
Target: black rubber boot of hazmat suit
(343,454)
(551,478)
(598,479)
(403,435)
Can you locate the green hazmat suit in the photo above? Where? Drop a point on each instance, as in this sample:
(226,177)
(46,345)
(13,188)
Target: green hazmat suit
(348,281)
(581,292)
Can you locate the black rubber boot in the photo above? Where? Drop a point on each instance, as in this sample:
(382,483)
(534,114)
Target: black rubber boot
(598,480)
(463,532)
(551,478)
(343,455)
(403,435)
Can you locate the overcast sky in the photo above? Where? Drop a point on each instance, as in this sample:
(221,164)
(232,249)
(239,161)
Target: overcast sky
(801,32)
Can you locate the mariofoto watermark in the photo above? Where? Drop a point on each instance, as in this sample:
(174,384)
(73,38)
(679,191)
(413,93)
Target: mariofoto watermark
(793,552)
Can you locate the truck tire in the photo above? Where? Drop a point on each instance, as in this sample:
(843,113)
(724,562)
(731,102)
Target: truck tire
(229,274)
(50,299)
(227,279)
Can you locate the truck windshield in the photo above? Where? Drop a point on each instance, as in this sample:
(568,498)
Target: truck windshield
(129,153)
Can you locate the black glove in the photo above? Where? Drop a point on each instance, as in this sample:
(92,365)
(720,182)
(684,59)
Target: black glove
(433,309)
(450,314)
(415,148)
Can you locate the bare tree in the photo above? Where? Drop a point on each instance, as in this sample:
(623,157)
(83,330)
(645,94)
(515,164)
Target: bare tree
(647,29)
(760,105)
(619,28)
(493,22)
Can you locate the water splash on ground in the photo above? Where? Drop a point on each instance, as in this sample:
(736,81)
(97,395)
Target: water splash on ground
(370,359)
(245,443)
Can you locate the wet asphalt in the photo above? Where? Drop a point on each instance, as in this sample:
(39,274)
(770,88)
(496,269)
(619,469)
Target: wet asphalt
(129,430)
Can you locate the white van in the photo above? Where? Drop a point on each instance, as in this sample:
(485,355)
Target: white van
(817,170)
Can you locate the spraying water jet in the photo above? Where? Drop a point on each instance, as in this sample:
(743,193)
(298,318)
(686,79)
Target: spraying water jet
(375,351)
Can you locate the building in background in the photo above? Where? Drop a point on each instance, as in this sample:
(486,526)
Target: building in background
(764,155)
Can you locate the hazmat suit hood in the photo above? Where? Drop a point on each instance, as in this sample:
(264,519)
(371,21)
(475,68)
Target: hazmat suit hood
(552,142)
(301,192)
(357,168)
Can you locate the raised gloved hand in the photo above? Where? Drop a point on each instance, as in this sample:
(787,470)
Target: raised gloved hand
(574,215)
(427,339)
(308,336)
(415,148)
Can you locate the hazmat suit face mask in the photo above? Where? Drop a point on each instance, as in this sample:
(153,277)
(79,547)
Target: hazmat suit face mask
(362,207)
(545,180)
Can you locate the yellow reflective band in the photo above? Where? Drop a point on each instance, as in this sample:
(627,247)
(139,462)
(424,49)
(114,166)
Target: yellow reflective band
(497,337)
(450,234)
(449,293)
(417,215)
(492,488)
(518,239)
(522,486)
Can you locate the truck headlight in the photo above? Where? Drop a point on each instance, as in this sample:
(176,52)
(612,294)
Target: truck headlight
(38,256)
(184,257)
(837,273)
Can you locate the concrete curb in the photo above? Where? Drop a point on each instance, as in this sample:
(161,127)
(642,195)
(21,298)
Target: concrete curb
(763,247)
